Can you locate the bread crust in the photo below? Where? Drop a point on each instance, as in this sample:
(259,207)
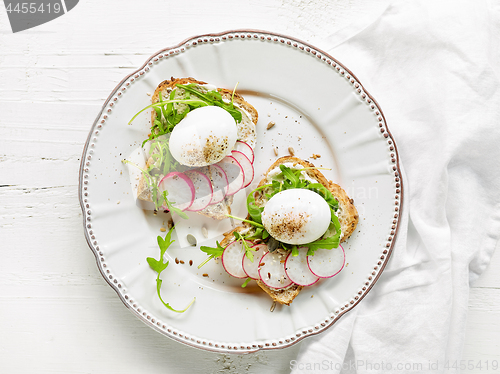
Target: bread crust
(348,217)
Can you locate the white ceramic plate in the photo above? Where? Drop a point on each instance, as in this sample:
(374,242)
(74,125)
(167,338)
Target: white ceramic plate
(319,108)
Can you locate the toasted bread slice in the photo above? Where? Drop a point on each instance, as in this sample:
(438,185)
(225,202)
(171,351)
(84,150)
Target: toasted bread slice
(246,133)
(347,214)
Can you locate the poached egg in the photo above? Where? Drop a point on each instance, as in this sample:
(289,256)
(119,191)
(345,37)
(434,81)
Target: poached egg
(296,216)
(204,137)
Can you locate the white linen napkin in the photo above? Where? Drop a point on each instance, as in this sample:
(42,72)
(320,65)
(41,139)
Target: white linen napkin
(434,68)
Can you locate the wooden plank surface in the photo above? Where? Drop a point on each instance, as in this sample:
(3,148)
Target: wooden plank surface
(57,314)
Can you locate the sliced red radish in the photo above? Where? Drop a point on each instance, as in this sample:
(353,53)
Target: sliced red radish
(203,191)
(218,178)
(246,165)
(272,271)
(180,188)
(234,172)
(252,268)
(325,263)
(232,259)
(246,149)
(297,269)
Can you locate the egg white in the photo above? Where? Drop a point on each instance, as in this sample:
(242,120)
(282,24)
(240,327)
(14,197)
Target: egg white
(296,216)
(204,137)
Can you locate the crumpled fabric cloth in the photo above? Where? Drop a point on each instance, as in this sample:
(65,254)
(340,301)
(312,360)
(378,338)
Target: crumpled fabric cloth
(434,69)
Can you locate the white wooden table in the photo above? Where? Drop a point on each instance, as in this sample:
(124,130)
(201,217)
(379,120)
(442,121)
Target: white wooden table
(57,314)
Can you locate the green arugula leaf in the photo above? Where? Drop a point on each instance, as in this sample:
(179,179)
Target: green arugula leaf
(212,252)
(253,210)
(214,95)
(159,105)
(235,113)
(156,265)
(215,252)
(253,223)
(291,177)
(325,193)
(167,115)
(163,107)
(336,223)
(328,243)
(259,233)
(159,265)
(158,114)
(213,98)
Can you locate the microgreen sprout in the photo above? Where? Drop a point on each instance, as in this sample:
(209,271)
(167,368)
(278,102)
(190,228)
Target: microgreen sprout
(246,282)
(248,250)
(234,90)
(162,103)
(253,223)
(163,163)
(160,265)
(212,252)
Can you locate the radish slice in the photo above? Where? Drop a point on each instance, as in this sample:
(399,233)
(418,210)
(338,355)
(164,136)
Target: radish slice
(203,191)
(272,271)
(180,189)
(252,268)
(246,149)
(232,259)
(246,165)
(218,179)
(325,263)
(234,172)
(297,269)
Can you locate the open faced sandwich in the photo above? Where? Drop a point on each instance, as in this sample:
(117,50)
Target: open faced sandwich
(292,234)
(200,149)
